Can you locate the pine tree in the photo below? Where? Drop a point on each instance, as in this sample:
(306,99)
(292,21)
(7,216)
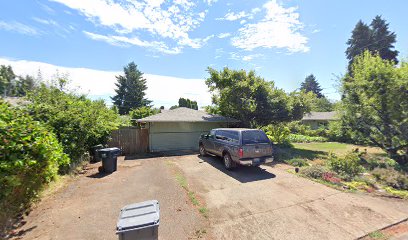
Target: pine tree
(375,38)
(130,92)
(311,85)
(359,42)
(383,39)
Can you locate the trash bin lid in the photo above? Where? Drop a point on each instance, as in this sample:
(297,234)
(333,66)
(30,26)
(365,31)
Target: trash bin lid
(139,215)
(112,149)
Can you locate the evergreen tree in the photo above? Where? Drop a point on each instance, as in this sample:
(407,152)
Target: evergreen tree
(7,77)
(375,38)
(311,85)
(130,92)
(185,102)
(360,40)
(383,39)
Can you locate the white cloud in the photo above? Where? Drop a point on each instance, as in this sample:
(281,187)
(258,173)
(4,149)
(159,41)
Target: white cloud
(163,90)
(247,58)
(224,35)
(162,20)
(122,41)
(280,28)
(231,16)
(250,57)
(18,27)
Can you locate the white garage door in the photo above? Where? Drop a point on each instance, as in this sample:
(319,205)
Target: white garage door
(169,136)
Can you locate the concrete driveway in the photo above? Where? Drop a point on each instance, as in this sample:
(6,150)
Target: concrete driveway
(269,203)
(248,203)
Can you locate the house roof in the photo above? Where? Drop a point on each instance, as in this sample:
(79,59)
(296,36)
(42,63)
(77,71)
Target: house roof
(320,116)
(183,114)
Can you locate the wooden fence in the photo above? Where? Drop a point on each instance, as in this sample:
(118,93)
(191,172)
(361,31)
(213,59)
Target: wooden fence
(130,140)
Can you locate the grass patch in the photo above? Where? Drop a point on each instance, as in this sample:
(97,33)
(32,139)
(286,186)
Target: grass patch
(377,235)
(191,195)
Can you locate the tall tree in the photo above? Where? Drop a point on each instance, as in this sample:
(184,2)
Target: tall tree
(375,104)
(383,39)
(311,85)
(252,100)
(185,102)
(7,77)
(130,92)
(375,38)
(359,42)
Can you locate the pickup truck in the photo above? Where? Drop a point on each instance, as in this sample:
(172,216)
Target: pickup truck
(237,146)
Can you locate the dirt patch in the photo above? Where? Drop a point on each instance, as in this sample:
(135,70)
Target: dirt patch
(88,206)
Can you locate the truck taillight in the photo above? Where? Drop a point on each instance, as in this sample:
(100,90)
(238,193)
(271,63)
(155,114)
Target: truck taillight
(241,152)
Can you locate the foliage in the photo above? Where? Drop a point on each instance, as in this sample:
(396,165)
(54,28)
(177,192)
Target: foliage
(130,92)
(314,171)
(297,162)
(12,85)
(29,158)
(375,104)
(252,100)
(347,166)
(322,105)
(174,107)
(391,178)
(78,122)
(185,102)
(395,192)
(375,38)
(311,85)
(277,133)
(298,138)
(143,112)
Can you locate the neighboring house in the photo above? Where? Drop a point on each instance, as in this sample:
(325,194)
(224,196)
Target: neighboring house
(180,128)
(319,119)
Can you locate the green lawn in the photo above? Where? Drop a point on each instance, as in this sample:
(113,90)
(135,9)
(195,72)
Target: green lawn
(335,147)
(320,150)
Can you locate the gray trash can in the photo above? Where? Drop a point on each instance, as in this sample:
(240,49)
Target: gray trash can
(139,221)
(109,158)
(94,153)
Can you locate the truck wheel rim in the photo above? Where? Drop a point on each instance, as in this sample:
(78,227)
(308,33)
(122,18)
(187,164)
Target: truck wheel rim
(226,161)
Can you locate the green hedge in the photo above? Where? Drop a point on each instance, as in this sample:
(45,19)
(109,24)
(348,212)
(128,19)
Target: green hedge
(30,156)
(298,138)
(78,122)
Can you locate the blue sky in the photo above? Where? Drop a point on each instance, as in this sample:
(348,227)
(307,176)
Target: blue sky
(173,42)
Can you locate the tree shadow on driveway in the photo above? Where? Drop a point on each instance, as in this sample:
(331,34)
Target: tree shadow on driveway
(243,174)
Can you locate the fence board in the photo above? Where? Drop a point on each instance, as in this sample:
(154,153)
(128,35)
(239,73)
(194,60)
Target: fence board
(130,140)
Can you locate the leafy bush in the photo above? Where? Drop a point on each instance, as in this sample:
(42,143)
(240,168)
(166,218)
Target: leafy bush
(391,178)
(314,171)
(78,122)
(29,157)
(278,133)
(297,138)
(297,162)
(376,162)
(347,166)
(142,112)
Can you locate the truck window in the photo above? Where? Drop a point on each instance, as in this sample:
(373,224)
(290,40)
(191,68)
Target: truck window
(253,137)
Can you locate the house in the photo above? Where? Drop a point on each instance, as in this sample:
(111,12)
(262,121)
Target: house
(180,128)
(319,119)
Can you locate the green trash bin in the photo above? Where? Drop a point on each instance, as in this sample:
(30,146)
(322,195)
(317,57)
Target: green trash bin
(109,158)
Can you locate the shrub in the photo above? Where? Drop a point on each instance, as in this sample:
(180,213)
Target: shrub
(347,166)
(29,158)
(391,178)
(305,139)
(331,177)
(278,133)
(297,162)
(376,162)
(78,122)
(314,171)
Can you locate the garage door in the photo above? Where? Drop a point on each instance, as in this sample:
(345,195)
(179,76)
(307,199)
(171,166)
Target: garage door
(177,136)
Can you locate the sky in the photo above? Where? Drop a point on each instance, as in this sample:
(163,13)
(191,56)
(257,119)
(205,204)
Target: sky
(173,42)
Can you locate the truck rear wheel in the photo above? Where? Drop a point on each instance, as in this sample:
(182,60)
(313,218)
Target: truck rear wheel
(228,163)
